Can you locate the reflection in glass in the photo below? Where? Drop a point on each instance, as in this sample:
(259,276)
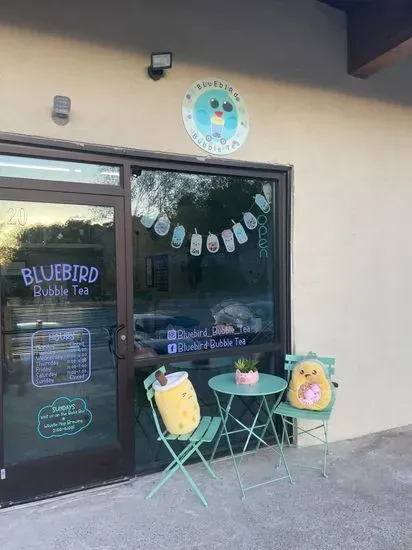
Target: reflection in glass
(194,293)
(58,304)
(58,170)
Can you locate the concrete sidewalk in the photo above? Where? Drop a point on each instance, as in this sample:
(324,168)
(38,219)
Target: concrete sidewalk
(365,504)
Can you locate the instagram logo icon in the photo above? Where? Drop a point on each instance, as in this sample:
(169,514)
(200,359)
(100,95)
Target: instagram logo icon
(171,334)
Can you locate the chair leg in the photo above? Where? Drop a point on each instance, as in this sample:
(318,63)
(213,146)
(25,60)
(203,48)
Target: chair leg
(326,438)
(194,486)
(180,456)
(205,462)
(326,450)
(178,464)
(324,441)
(284,431)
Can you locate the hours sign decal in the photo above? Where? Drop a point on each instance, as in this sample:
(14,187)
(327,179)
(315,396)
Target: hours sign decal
(215,116)
(60,357)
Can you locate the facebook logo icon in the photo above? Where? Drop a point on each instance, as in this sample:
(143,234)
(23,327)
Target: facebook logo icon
(172,348)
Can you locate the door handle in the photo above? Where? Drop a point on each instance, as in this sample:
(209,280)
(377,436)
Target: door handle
(116,339)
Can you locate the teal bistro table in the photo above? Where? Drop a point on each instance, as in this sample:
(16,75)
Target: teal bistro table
(268,385)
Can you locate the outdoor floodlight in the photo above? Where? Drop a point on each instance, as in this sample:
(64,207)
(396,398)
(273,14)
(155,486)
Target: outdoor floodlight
(159,62)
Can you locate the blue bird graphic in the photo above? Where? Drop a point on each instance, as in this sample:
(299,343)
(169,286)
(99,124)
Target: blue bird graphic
(216,116)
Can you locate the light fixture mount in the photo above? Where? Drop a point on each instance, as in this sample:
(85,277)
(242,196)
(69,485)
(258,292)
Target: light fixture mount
(61,109)
(159,63)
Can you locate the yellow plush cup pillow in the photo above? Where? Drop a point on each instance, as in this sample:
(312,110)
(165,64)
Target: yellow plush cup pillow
(309,387)
(177,403)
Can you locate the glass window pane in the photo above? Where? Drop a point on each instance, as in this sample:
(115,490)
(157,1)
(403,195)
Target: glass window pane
(58,170)
(57,305)
(204,282)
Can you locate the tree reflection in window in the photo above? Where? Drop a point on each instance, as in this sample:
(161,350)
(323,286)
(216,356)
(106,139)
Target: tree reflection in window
(233,289)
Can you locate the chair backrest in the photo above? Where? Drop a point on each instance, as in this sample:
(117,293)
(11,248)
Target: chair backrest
(291,360)
(148,382)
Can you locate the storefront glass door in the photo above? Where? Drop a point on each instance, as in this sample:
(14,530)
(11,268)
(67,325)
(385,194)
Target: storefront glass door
(63,342)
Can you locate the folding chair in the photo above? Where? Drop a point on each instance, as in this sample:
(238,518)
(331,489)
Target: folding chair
(290,415)
(204,433)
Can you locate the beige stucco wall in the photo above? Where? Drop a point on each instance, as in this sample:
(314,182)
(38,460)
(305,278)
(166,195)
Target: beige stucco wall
(349,142)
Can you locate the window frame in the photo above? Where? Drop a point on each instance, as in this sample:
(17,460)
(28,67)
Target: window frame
(281,228)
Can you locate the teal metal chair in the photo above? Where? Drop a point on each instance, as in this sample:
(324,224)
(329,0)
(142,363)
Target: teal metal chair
(204,433)
(290,415)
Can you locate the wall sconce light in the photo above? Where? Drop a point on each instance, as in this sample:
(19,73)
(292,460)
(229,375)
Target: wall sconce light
(159,62)
(61,109)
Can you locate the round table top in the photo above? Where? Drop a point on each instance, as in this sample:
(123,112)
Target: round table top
(268,384)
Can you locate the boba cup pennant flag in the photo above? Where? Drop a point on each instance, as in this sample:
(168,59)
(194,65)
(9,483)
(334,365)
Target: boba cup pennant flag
(267,191)
(262,203)
(196,244)
(212,243)
(149,218)
(162,226)
(239,233)
(228,240)
(250,220)
(215,116)
(178,236)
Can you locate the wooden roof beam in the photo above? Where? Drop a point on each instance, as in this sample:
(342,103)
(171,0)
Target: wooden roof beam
(379,33)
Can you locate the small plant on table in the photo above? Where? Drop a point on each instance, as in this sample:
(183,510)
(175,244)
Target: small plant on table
(246,371)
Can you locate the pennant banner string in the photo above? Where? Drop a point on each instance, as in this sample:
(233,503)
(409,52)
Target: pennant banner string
(162,225)
(162,220)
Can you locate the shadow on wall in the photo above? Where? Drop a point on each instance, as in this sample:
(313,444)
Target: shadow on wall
(297,41)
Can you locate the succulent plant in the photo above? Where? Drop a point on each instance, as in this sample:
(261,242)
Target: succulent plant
(246,365)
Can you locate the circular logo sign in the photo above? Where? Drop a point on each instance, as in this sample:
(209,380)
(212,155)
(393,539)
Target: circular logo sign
(215,116)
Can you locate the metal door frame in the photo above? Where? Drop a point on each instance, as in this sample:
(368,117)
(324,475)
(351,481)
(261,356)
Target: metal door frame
(43,477)
(131,161)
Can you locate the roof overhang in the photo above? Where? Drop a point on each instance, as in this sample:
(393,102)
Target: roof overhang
(379,33)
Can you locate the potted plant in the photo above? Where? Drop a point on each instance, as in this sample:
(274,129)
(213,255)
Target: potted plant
(246,371)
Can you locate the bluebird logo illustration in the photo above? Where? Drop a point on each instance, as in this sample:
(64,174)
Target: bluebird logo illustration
(215,116)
